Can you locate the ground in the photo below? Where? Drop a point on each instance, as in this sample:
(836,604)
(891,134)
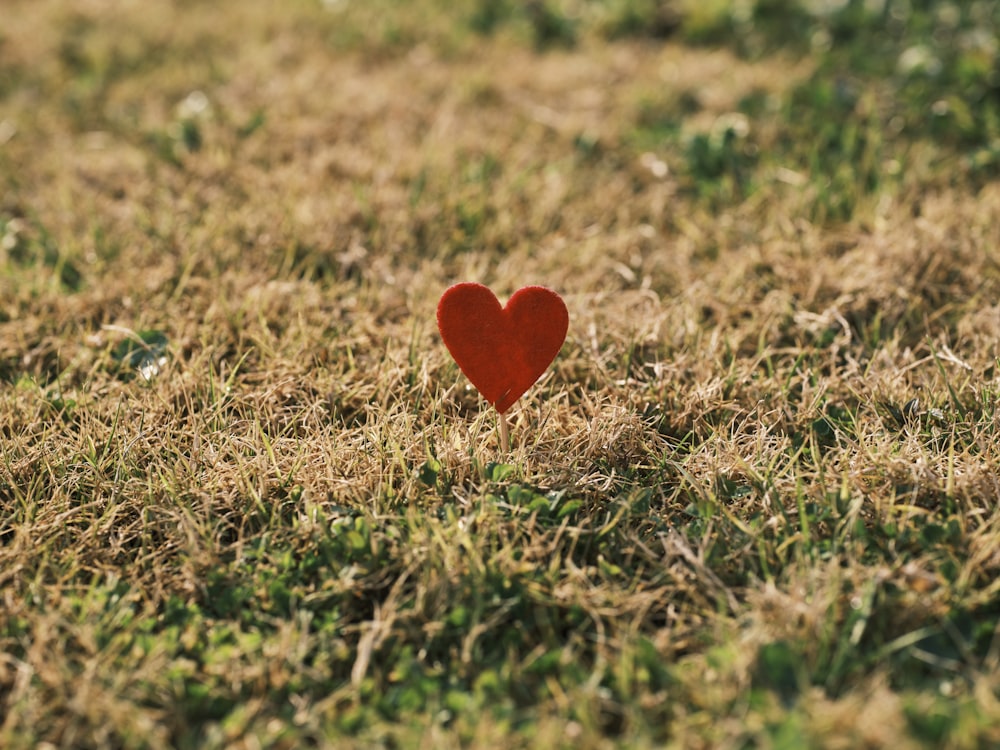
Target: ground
(248,500)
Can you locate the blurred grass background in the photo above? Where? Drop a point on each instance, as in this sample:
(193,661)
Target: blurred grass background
(248,501)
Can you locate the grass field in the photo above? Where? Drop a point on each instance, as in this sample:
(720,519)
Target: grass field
(247,500)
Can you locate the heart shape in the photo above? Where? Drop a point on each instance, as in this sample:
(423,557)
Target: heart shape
(502,350)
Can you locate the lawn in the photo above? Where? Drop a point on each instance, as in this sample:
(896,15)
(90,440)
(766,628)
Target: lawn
(248,500)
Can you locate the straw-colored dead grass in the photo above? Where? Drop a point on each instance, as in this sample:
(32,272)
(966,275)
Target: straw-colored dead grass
(776,433)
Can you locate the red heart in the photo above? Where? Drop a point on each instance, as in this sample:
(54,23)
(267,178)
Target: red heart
(502,350)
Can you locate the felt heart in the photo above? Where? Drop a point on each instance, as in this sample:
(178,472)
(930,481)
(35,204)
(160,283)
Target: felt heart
(502,350)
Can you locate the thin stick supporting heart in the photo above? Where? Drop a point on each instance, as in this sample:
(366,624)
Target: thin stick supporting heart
(504,434)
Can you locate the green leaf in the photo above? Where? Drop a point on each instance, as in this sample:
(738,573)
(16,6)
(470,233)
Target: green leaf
(356,541)
(497,472)
(429,472)
(547,663)
(569,508)
(777,669)
(459,616)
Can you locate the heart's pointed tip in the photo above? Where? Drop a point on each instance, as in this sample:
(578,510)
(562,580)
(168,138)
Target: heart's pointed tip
(502,405)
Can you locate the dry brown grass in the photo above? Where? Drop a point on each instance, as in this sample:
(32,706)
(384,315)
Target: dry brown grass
(246,550)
